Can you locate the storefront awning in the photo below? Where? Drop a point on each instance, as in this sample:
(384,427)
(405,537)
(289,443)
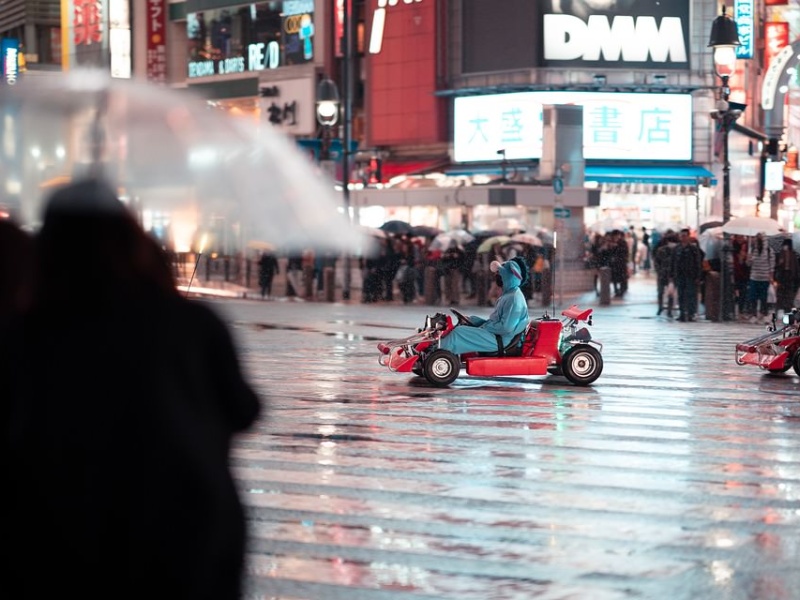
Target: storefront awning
(666,175)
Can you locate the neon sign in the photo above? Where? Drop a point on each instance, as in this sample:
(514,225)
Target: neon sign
(620,126)
(745,22)
(10,60)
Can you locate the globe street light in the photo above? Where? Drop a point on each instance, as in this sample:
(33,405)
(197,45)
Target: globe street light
(327,103)
(724,39)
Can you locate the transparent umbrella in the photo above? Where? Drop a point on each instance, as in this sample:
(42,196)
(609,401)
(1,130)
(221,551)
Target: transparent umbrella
(167,150)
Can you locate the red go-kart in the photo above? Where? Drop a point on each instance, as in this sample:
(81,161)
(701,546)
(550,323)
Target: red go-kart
(547,346)
(776,351)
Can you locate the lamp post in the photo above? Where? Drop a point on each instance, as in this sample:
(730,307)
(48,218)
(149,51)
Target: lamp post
(328,107)
(327,112)
(724,40)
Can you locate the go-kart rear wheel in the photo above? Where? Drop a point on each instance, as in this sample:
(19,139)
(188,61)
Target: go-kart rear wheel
(441,368)
(796,362)
(582,364)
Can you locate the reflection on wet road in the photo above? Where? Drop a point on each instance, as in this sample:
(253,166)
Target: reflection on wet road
(676,475)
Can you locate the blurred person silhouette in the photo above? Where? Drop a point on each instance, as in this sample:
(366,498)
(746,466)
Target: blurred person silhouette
(509,317)
(120,399)
(267,268)
(16,269)
(787,276)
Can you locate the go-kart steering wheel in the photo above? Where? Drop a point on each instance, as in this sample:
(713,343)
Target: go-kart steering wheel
(462,319)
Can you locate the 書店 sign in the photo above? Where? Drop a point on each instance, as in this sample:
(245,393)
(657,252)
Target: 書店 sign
(616,126)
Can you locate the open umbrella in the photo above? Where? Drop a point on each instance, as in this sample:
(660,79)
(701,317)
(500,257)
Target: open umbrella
(487,244)
(373,232)
(463,237)
(527,238)
(608,224)
(507,225)
(396,227)
(752,226)
(425,231)
(710,242)
(170,150)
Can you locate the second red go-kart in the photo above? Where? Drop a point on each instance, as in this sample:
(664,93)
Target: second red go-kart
(547,346)
(776,351)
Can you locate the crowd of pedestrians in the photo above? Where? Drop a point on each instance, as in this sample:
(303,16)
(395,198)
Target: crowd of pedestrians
(400,263)
(762,278)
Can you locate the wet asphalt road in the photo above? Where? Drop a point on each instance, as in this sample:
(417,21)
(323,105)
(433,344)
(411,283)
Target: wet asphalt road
(675,476)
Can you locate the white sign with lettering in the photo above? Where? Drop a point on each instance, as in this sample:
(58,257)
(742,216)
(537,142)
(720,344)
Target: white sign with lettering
(616,126)
(617,39)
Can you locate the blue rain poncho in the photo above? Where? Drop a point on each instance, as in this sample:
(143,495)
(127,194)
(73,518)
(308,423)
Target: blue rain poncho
(509,317)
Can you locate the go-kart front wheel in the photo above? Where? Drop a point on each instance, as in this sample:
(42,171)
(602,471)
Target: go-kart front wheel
(582,364)
(441,368)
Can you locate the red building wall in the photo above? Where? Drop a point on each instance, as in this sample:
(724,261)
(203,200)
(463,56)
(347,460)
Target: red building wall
(401,80)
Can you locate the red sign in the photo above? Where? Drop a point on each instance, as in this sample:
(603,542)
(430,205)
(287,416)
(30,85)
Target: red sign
(87,22)
(338,25)
(156,20)
(776,38)
(401,81)
(775,2)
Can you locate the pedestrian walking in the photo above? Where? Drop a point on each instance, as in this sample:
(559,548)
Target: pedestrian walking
(662,262)
(687,270)
(120,400)
(645,251)
(267,268)
(787,276)
(741,275)
(761,261)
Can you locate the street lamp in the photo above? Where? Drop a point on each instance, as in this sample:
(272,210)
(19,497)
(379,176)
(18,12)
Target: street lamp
(724,39)
(327,103)
(327,112)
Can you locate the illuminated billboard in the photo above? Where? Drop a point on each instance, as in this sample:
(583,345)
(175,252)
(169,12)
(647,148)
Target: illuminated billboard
(616,126)
(252,37)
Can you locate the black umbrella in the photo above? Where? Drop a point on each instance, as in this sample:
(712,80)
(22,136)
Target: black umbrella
(710,224)
(425,231)
(396,227)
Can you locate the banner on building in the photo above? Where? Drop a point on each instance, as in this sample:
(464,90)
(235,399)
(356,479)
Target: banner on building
(616,126)
(10,56)
(617,33)
(85,34)
(156,21)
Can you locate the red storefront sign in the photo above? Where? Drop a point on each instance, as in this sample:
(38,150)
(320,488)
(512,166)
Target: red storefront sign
(156,20)
(776,37)
(87,22)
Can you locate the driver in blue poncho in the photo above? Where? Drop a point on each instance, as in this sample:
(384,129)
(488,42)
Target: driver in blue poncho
(509,317)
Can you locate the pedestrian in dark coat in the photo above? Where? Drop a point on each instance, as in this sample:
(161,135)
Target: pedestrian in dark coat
(267,268)
(787,276)
(663,263)
(119,401)
(687,269)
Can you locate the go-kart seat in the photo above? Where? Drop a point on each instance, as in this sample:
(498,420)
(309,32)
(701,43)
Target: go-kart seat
(513,348)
